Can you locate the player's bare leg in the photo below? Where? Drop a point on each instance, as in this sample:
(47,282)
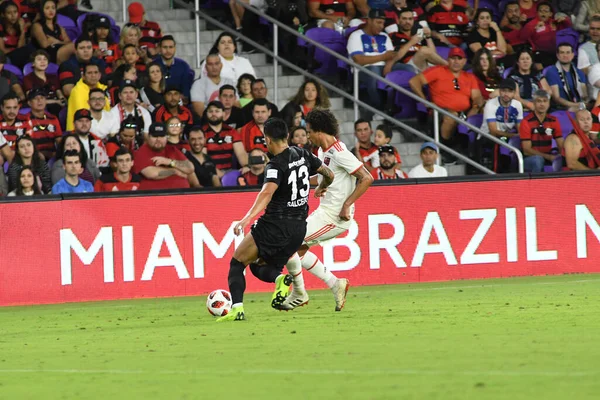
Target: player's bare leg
(244,254)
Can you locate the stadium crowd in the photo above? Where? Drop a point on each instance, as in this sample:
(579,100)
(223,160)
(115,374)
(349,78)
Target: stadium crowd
(87,105)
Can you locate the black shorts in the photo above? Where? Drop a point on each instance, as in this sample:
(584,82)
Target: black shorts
(278,240)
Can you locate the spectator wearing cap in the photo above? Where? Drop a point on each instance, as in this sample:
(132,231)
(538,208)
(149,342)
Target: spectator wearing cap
(365,150)
(123,72)
(428,167)
(449,22)
(371,48)
(259,91)
(71,182)
(204,167)
(92,144)
(222,141)
(103,44)
(232,115)
(45,127)
(172,108)
(206,89)
(122,179)
(70,71)
(13,124)
(48,35)
(39,79)
(253,133)
(327,13)
(502,117)
(161,166)
(388,168)
(9,81)
(537,131)
(415,50)
(127,106)
(177,72)
(255,176)
(127,137)
(102,120)
(568,84)
(151,32)
(450,88)
(81,92)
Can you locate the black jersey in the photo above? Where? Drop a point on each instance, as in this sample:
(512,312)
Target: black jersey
(291,171)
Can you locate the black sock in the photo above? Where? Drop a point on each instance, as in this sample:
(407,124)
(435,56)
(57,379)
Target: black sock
(237,281)
(265,273)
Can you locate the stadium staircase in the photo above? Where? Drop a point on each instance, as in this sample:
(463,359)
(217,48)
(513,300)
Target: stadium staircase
(180,23)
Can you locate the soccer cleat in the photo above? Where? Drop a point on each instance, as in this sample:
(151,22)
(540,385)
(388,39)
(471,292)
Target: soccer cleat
(294,300)
(282,289)
(235,314)
(340,289)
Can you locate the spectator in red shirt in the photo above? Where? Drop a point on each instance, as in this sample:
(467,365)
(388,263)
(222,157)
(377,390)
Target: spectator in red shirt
(511,25)
(38,79)
(253,132)
(537,131)
(48,35)
(45,127)
(388,170)
(452,89)
(150,31)
(256,174)
(486,72)
(540,32)
(122,179)
(161,166)
(365,149)
(12,34)
(171,108)
(222,141)
(581,153)
(29,10)
(13,124)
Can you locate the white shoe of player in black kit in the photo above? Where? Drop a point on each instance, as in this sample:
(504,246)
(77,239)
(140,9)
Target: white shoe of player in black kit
(294,300)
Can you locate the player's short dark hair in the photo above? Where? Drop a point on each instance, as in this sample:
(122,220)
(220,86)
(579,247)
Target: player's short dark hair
(10,96)
(121,151)
(71,153)
(386,129)
(276,129)
(260,102)
(322,120)
(361,121)
(226,87)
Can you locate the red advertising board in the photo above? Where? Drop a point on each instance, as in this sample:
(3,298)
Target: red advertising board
(180,245)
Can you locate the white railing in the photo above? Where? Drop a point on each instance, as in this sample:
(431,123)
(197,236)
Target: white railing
(356,70)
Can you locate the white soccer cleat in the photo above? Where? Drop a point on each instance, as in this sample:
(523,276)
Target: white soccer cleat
(294,300)
(339,293)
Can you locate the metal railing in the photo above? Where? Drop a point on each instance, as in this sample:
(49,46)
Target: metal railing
(356,70)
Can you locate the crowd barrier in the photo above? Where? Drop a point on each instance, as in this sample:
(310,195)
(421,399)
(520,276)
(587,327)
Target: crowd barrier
(70,249)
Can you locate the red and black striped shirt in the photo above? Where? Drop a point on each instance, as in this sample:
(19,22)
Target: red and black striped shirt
(219,146)
(45,131)
(540,133)
(253,137)
(151,34)
(161,114)
(11,132)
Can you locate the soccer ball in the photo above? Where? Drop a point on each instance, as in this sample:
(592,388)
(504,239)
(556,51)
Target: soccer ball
(218,302)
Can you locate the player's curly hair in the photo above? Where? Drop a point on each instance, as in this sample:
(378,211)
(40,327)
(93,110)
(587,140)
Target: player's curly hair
(323,120)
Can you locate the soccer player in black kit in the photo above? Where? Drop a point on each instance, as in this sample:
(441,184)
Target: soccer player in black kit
(277,234)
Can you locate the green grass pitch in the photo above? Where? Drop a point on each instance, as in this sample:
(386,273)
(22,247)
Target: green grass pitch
(522,338)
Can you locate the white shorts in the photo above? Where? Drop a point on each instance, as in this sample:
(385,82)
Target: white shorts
(322,226)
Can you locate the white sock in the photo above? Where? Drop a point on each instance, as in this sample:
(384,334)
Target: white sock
(311,263)
(236,305)
(294,267)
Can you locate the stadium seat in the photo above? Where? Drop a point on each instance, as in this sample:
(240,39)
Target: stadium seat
(442,51)
(15,70)
(82,18)
(326,64)
(24,110)
(73,32)
(64,21)
(404,106)
(507,72)
(230,178)
(568,35)
(565,123)
(475,120)
(52,69)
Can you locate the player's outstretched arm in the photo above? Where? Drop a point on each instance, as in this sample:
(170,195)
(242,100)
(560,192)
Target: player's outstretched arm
(328,177)
(261,202)
(364,180)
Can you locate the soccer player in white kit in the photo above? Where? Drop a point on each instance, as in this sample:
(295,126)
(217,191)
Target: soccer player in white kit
(335,212)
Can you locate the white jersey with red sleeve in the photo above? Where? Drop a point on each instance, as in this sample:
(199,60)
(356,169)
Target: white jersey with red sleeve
(343,163)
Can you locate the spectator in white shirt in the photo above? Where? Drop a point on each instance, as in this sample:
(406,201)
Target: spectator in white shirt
(206,89)
(371,48)
(102,121)
(233,65)
(428,168)
(128,95)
